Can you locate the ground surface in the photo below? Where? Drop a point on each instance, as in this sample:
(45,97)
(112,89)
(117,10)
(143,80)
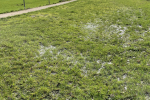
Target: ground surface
(88,49)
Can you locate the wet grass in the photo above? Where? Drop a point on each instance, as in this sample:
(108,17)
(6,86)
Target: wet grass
(88,49)
(15,5)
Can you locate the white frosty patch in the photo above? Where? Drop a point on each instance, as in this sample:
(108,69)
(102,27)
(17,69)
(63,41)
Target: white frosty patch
(91,26)
(125,87)
(147,97)
(65,55)
(125,45)
(43,49)
(140,39)
(110,63)
(128,61)
(118,79)
(139,26)
(101,68)
(84,71)
(117,29)
(124,76)
(98,61)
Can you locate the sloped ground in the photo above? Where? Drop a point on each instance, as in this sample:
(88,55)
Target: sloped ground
(89,49)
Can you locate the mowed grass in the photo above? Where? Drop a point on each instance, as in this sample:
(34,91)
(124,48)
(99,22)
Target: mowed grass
(88,49)
(15,5)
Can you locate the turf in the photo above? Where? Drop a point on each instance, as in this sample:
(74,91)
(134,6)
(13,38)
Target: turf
(88,49)
(15,5)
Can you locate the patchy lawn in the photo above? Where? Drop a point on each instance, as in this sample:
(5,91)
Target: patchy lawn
(88,49)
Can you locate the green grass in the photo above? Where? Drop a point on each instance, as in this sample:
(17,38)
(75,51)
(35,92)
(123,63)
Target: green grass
(15,5)
(88,49)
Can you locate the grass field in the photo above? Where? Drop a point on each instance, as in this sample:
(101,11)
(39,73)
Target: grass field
(85,50)
(15,5)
